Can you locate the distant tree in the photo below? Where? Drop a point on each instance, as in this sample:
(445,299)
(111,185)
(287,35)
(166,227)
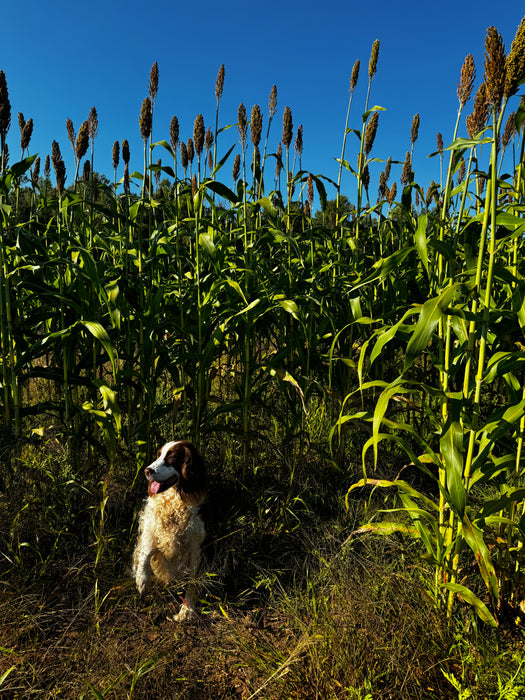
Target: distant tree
(328,217)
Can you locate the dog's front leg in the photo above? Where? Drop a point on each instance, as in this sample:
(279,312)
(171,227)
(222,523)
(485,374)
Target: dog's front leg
(142,561)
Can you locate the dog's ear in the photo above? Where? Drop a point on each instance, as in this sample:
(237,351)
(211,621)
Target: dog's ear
(193,470)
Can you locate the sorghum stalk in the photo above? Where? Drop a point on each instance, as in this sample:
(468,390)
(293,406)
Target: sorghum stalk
(219,87)
(372,69)
(174,141)
(115,157)
(444,332)
(60,172)
(198,140)
(272,107)
(145,124)
(286,141)
(81,145)
(353,82)
(255,133)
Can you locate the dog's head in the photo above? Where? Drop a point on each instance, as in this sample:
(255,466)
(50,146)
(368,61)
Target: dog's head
(178,464)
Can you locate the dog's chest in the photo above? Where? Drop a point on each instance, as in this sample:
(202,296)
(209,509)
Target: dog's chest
(175,523)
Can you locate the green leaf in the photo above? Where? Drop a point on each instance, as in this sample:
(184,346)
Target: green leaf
(99,332)
(23,166)
(431,312)
(291,307)
(462,143)
(473,536)
(222,191)
(380,409)
(496,505)
(208,246)
(399,484)
(451,444)
(469,597)
(421,240)
(387,528)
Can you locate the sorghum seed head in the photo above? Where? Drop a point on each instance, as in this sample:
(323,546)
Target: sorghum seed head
(382,185)
(184,155)
(290,184)
(5,106)
(125,151)
(279,163)
(307,209)
(370,132)
(298,143)
(414,130)
(256,125)
(194,185)
(153,83)
(145,119)
(372,65)
(86,172)
(219,83)
(36,172)
(481,183)
(515,64)
(126,177)
(93,124)
(310,190)
(388,167)
(71,132)
(27,131)
(82,141)
(115,154)
(241,122)
(21,121)
(272,102)
(509,131)
(47,167)
(430,192)
(406,174)
(392,193)
(198,134)
(439,140)
(495,72)
(355,75)
(365,177)
(208,139)
(59,167)
(476,121)
(287,127)
(466,85)
(236,167)
(191,150)
(210,160)
(174,133)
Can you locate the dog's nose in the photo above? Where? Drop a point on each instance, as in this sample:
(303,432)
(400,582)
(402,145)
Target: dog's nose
(148,471)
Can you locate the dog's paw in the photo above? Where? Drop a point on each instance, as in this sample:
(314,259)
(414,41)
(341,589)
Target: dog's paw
(141,584)
(185,614)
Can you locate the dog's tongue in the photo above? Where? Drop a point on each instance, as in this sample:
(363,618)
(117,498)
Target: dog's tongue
(154,486)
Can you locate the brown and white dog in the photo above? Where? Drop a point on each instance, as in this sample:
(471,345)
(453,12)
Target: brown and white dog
(171,527)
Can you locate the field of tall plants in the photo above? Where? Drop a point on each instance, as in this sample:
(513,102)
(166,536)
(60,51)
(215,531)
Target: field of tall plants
(354,376)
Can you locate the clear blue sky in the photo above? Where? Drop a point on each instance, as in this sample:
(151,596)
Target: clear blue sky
(60,58)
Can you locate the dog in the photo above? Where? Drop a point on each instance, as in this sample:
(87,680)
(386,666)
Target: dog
(171,526)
